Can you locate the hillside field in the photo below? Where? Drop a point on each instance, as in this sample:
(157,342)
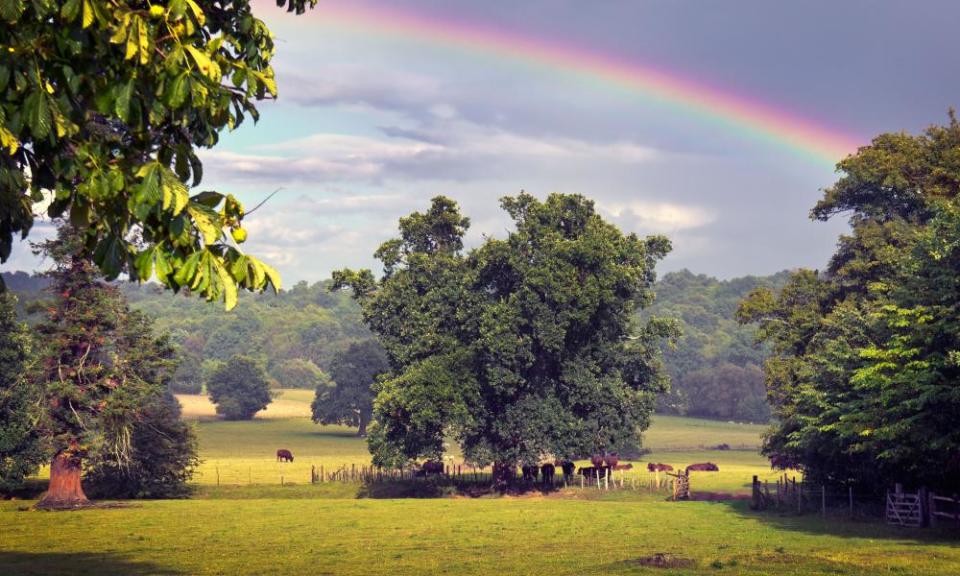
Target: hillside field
(250,524)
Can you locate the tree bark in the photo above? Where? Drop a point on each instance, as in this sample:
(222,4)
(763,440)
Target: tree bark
(362,431)
(65,490)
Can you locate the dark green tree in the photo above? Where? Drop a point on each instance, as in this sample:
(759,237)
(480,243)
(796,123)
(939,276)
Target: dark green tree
(522,348)
(863,375)
(105,104)
(21,449)
(99,367)
(239,388)
(163,456)
(349,401)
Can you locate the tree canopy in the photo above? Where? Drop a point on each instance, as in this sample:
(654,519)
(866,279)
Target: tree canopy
(521,348)
(21,450)
(103,107)
(863,376)
(239,388)
(349,399)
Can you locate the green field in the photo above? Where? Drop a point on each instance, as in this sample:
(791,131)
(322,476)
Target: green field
(250,524)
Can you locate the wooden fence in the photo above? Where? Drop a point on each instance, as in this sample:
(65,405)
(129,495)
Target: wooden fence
(941,508)
(904,508)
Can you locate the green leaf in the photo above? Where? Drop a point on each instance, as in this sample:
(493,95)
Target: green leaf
(70,10)
(121,106)
(38,114)
(188,270)
(144,264)
(110,256)
(207,222)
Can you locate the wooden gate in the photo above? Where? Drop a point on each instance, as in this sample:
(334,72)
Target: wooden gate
(904,509)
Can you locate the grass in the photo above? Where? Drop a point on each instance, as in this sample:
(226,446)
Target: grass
(250,524)
(451,536)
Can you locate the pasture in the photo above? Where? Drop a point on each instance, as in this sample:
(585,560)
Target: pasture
(249,524)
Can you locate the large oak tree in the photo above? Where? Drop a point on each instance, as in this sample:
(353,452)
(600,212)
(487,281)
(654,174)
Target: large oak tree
(520,349)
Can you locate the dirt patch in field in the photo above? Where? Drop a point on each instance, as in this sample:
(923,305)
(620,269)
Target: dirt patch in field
(660,560)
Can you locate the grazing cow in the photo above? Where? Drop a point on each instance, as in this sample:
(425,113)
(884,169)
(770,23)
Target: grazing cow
(623,466)
(284,455)
(596,460)
(431,467)
(530,472)
(658,467)
(593,472)
(547,471)
(611,460)
(703,467)
(567,466)
(783,462)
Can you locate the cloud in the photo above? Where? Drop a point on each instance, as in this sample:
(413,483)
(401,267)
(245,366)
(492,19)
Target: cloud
(453,149)
(657,216)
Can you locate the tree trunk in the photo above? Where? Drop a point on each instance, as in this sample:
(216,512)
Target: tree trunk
(362,431)
(65,490)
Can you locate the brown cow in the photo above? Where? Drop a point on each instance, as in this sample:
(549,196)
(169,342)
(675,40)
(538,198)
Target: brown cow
(284,455)
(783,462)
(530,472)
(432,467)
(623,466)
(658,467)
(703,467)
(547,471)
(611,460)
(593,472)
(567,466)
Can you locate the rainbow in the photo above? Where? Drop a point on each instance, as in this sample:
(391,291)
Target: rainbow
(738,113)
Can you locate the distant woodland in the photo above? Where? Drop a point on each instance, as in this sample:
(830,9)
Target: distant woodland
(715,366)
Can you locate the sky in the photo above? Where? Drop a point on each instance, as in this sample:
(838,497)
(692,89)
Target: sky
(716,123)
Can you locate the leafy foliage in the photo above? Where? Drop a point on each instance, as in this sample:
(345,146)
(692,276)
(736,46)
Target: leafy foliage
(21,450)
(239,388)
(163,456)
(521,348)
(864,371)
(103,106)
(349,400)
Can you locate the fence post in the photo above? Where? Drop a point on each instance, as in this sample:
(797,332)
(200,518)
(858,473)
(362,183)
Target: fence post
(850,497)
(932,507)
(218,475)
(755,492)
(823,500)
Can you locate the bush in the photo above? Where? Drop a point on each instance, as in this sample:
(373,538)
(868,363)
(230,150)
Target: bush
(239,388)
(163,456)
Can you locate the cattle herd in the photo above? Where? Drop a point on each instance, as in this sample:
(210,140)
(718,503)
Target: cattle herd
(601,467)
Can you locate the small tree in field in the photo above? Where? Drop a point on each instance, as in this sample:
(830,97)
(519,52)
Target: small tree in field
(21,451)
(239,388)
(350,400)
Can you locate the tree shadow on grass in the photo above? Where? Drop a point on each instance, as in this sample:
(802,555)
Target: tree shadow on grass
(446,488)
(838,523)
(36,563)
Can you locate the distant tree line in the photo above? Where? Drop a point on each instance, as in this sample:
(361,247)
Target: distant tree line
(714,365)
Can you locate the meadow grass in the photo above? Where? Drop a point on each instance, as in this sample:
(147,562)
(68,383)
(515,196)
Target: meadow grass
(250,524)
(524,535)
